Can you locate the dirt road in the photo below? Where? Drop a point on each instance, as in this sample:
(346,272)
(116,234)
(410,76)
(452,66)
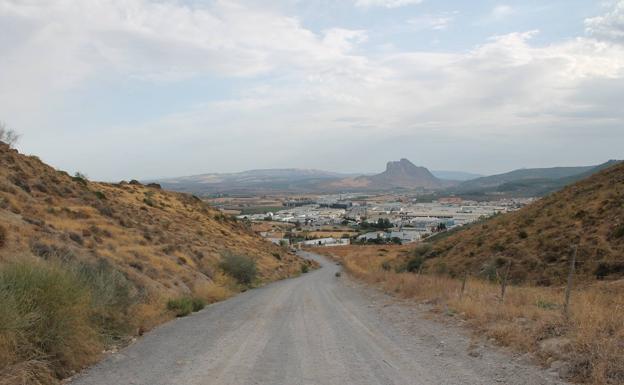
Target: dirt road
(313,330)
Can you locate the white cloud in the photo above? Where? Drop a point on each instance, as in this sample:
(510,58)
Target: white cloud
(609,26)
(435,22)
(502,11)
(385,3)
(300,87)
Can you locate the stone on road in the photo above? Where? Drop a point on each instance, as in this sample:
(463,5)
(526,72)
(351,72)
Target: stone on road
(316,329)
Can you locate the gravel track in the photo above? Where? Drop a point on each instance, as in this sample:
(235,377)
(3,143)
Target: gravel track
(313,330)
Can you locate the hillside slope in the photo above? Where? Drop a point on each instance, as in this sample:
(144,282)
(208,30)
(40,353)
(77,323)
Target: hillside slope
(529,182)
(166,242)
(86,265)
(539,238)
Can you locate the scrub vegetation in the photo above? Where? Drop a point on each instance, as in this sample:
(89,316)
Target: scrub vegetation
(84,266)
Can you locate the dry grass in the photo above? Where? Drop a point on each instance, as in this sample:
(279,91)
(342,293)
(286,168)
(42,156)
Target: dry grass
(168,245)
(593,336)
(539,237)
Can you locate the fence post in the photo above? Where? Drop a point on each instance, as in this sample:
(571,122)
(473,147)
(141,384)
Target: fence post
(566,305)
(504,283)
(463,287)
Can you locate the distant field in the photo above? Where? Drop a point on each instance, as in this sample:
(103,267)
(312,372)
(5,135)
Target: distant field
(260,210)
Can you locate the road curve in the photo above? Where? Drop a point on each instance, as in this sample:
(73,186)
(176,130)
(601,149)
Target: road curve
(313,330)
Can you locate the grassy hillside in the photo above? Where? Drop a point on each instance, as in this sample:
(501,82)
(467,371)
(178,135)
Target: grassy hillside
(108,257)
(539,238)
(528,182)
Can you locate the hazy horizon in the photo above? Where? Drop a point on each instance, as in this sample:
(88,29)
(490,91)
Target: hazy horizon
(142,89)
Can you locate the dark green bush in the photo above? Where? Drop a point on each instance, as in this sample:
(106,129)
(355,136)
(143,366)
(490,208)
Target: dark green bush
(304,268)
(80,178)
(111,297)
(180,306)
(523,234)
(241,268)
(198,304)
(45,315)
(618,232)
(100,195)
(414,263)
(185,305)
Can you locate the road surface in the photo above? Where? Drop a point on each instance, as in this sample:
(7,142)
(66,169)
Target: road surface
(316,329)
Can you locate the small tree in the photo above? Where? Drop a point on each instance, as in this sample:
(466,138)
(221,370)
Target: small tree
(8,136)
(241,268)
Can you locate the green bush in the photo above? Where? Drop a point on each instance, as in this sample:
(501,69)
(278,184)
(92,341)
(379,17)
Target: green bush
(304,268)
(618,232)
(185,305)
(180,306)
(60,314)
(45,315)
(111,296)
(80,178)
(414,264)
(198,304)
(100,195)
(422,250)
(241,268)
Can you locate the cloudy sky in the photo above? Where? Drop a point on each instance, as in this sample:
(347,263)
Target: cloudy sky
(141,89)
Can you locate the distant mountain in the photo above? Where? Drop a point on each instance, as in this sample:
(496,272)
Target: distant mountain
(252,181)
(399,174)
(455,175)
(529,182)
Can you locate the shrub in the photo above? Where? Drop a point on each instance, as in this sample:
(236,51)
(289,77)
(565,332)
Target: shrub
(241,268)
(523,234)
(60,314)
(100,195)
(45,313)
(185,305)
(181,306)
(337,274)
(605,268)
(8,136)
(385,266)
(414,264)
(80,178)
(76,238)
(422,250)
(618,232)
(304,268)
(198,304)
(111,297)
